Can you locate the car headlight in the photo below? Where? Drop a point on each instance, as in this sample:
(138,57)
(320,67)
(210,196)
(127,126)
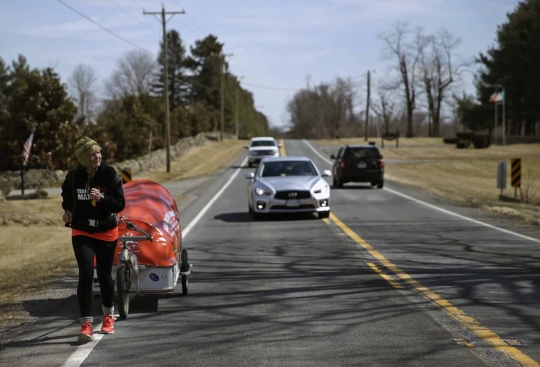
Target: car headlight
(323,189)
(262,192)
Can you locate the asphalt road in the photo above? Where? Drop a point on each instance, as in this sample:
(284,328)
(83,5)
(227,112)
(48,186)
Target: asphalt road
(388,281)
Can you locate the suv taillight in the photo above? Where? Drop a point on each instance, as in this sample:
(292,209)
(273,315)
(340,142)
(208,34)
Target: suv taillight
(381,163)
(341,164)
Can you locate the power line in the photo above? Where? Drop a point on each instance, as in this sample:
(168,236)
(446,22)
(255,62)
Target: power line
(100,26)
(190,18)
(128,13)
(272,88)
(190,80)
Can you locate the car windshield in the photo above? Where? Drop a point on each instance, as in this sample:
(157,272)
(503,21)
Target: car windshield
(263,143)
(361,153)
(287,168)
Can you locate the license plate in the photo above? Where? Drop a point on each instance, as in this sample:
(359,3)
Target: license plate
(362,165)
(293,203)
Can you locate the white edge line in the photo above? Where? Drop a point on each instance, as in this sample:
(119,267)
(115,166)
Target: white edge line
(82,352)
(207,206)
(437,208)
(316,152)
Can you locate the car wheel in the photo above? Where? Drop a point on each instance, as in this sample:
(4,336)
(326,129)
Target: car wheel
(381,184)
(339,183)
(324,214)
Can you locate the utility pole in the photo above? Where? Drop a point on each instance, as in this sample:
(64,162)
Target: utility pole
(236,126)
(430,107)
(166,76)
(222,59)
(236,113)
(367,103)
(222,99)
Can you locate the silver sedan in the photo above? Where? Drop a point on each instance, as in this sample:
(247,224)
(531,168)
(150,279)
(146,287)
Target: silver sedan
(288,185)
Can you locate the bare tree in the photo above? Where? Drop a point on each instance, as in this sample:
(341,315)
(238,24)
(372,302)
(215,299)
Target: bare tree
(405,53)
(323,111)
(384,108)
(134,74)
(82,83)
(438,71)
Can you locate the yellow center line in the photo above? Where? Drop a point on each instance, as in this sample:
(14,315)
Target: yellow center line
(384,276)
(467,321)
(282,150)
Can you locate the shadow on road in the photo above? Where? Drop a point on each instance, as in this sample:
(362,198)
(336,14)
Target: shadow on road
(354,187)
(245,217)
(243,167)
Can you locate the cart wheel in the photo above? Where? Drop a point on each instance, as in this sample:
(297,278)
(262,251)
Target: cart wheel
(185,285)
(184,263)
(123,285)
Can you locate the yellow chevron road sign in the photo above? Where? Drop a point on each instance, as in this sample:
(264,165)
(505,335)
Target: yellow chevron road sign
(516,172)
(125,174)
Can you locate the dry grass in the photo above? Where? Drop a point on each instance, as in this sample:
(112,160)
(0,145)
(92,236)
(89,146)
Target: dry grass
(35,247)
(470,175)
(464,175)
(197,162)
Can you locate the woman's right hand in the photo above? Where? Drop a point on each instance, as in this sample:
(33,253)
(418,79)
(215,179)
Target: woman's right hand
(67,217)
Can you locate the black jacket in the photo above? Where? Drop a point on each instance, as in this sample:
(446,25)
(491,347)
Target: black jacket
(77,199)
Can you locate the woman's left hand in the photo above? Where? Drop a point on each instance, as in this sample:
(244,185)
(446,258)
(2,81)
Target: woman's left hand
(95,194)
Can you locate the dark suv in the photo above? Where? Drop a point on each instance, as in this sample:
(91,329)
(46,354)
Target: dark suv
(358,163)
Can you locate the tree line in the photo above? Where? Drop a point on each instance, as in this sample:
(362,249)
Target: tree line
(419,94)
(127,116)
(423,70)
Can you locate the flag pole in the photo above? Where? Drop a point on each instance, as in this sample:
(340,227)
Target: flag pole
(495,128)
(504,118)
(22,177)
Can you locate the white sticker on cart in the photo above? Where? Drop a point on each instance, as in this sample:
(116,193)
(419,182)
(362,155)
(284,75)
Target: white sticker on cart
(171,224)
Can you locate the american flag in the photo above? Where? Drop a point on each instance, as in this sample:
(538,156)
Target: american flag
(27,147)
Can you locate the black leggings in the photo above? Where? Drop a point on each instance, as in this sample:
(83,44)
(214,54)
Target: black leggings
(85,248)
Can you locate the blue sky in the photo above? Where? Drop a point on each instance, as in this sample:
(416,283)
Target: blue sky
(276,43)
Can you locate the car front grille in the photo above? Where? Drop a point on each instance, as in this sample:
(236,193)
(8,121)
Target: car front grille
(285,207)
(287,195)
(263,152)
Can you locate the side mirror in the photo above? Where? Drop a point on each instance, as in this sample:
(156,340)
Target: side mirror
(280,145)
(326,173)
(246,146)
(250,176)
(332,156)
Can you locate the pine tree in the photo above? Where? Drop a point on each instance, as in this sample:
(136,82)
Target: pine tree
(513,65)
(37,100)
(177,71)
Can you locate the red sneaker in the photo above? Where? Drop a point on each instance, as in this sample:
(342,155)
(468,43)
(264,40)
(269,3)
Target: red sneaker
(86,332)
(108,324)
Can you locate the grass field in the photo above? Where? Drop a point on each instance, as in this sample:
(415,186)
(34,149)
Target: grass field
(464,175)
(35,247)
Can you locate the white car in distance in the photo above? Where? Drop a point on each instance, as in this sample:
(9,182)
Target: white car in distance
(262,147)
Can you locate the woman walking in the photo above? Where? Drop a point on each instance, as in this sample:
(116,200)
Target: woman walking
(92,196)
